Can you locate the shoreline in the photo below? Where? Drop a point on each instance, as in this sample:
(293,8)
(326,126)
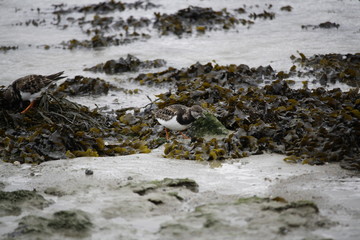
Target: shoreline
(102,195)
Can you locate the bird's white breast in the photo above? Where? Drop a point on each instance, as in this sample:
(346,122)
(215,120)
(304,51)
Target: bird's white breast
(172,124)
(28,96)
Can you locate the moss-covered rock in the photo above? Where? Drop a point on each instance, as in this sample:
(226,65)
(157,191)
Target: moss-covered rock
(208,126)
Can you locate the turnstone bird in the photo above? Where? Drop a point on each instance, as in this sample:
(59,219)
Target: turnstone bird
(29,88)
(178,117)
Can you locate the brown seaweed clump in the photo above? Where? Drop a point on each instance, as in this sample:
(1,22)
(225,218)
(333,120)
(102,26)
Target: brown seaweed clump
(310,126)
(101,40)
(80,85)
(324,25)
(104,30)
(225,76)
(8,48)
(332,68)
(128,64)
(58,128)
(185,19)
(105,7)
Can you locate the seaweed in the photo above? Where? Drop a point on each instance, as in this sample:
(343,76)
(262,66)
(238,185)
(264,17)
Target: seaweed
(8,48)
(324,25)
(71,223)
(331,68)
(264,15)
(12,203)
(183,21)
(103,30)
(80,85)
(105,7)
(312,126)
(166,183)
(316,126)
(286,8)
(100,40)
(58,128)
(128,64)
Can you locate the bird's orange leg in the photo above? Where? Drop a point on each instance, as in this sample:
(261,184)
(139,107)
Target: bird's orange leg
(28,107)
(167,134)
(184,136)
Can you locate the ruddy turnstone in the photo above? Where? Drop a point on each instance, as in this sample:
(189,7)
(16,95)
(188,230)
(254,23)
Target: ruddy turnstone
(178,117)
(29,88)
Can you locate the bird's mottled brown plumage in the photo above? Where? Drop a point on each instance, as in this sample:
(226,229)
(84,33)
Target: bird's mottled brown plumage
(34,83)
(184,115)
(30,87)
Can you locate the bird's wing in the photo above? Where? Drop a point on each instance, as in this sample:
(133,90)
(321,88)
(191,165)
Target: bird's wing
(166,113)
(56,76)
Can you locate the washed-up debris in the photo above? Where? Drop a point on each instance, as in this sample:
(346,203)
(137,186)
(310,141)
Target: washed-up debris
(263,15)
(100,40)
(104,30)
(310,126)
(189,20)
(89,172)
(286,8)
(326,25)
(8,48)
(105,7)
(226,76)
(330,68)
(128,64)
(185,19)
(59,128)
(80,85)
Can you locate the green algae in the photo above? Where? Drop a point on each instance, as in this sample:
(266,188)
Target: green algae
(71,223)
(254,199)
(167,183)
(298,205)
(248,218)
(12,203)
